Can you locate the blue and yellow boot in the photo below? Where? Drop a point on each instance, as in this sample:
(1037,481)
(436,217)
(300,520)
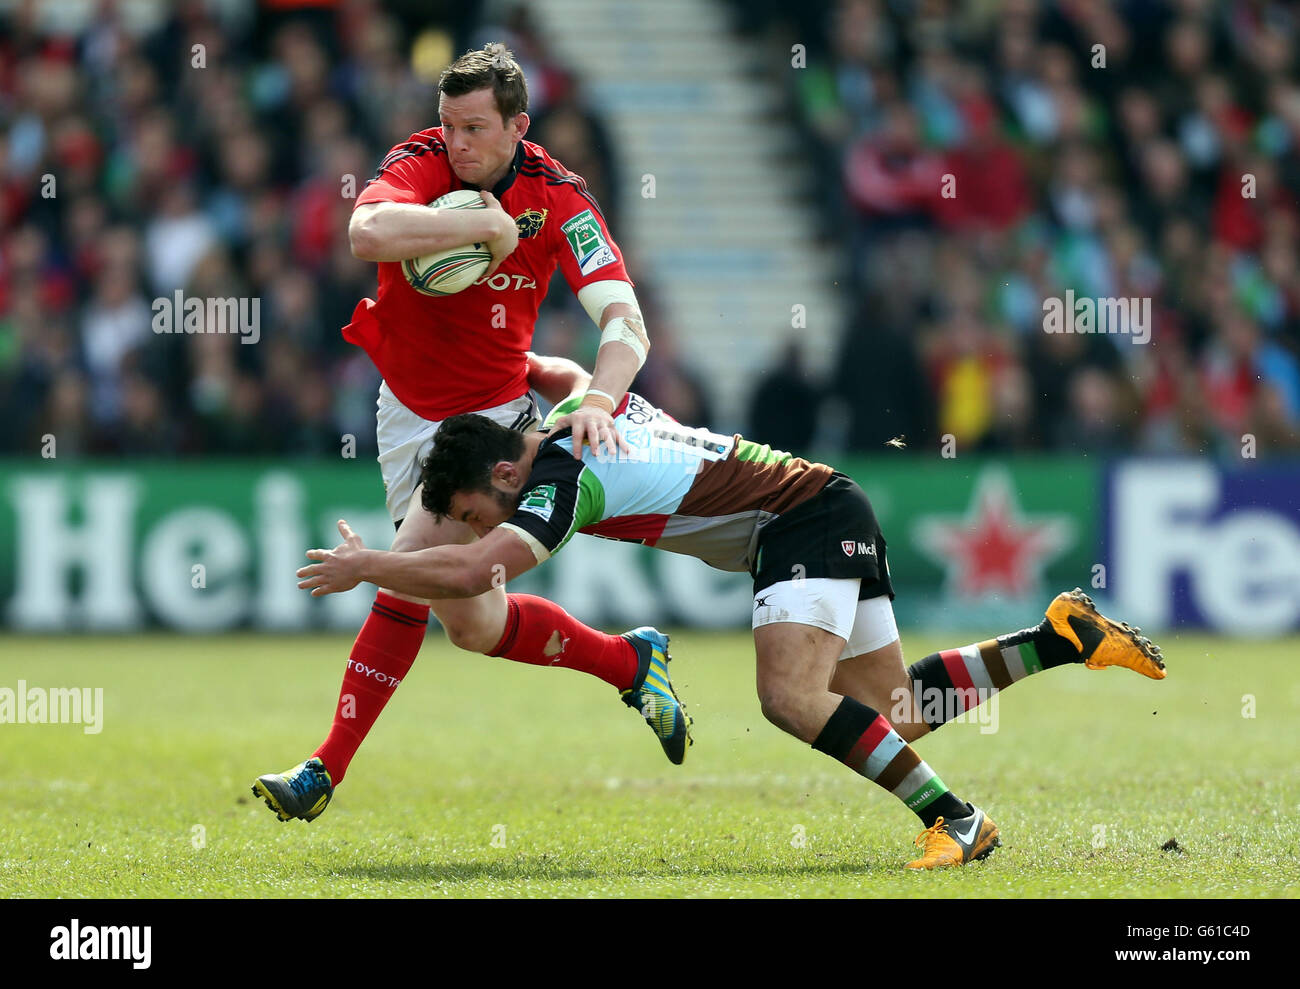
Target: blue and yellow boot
(652,693)
(303,791)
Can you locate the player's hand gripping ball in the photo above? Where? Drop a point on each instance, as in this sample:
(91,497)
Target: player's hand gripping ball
(453,270)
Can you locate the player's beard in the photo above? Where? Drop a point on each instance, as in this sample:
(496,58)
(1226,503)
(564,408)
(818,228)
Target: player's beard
(508,503)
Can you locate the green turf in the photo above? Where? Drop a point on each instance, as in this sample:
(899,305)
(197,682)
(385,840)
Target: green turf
(486,778)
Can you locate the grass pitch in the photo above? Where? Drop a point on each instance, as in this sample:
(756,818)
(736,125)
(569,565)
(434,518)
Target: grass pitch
(486,778)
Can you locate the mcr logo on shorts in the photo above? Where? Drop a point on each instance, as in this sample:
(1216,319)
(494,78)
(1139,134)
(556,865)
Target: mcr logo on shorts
(850,547)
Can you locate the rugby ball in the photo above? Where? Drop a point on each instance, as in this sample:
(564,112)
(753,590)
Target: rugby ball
(451,271)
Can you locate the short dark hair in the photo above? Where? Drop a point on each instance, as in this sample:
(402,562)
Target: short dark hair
(465,450)
(491,66)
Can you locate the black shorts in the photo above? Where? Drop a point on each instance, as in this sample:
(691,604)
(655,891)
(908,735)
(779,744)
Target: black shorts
(833,534)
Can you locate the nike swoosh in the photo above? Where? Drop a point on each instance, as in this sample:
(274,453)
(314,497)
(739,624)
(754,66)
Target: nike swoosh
(966,838)
(1090,636)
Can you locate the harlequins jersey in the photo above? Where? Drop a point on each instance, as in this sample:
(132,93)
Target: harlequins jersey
(683,490)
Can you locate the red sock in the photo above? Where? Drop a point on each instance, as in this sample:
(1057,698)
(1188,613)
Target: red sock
(542,633)
(385,648)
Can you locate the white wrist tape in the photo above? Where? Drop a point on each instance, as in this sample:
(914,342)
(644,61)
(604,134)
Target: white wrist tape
(605,395)
(597,296)
(624,330)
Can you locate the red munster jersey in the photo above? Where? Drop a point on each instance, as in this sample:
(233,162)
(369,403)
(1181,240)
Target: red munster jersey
(448,355)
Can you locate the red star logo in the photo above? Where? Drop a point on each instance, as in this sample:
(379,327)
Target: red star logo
(993,548)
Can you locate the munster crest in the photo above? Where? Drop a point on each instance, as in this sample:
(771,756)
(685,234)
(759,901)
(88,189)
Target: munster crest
(530,222)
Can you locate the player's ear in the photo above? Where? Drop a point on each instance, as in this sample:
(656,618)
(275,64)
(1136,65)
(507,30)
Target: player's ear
(519,125)
(505,472)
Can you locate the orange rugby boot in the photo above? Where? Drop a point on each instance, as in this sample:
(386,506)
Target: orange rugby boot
(1101,641)
(956,842)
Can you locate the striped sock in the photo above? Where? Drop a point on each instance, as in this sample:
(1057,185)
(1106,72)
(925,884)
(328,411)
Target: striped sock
(863,740)
(948,684)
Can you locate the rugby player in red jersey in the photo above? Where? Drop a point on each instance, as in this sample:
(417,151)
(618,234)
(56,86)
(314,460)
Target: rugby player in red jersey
(468,353)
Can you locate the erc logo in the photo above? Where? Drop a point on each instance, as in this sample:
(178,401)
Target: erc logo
(540,501)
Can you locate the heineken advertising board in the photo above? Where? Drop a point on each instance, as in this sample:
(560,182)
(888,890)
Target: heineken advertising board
(979,544)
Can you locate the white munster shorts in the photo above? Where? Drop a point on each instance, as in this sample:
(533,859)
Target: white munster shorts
(831,604)
(405,439)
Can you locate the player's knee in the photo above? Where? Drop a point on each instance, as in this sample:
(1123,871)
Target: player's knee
(782,703)
(472,636)
(409,540)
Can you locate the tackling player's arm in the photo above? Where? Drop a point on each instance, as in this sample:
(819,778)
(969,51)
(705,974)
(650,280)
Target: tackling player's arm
(395,231)
(556,378)
(439,572)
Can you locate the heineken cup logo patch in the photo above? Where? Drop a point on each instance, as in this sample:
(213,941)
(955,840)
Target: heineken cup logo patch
(540,501)
(587,242)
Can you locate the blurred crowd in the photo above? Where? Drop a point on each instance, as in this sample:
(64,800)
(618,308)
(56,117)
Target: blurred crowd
(217,152)
(977,157)
(991,155)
